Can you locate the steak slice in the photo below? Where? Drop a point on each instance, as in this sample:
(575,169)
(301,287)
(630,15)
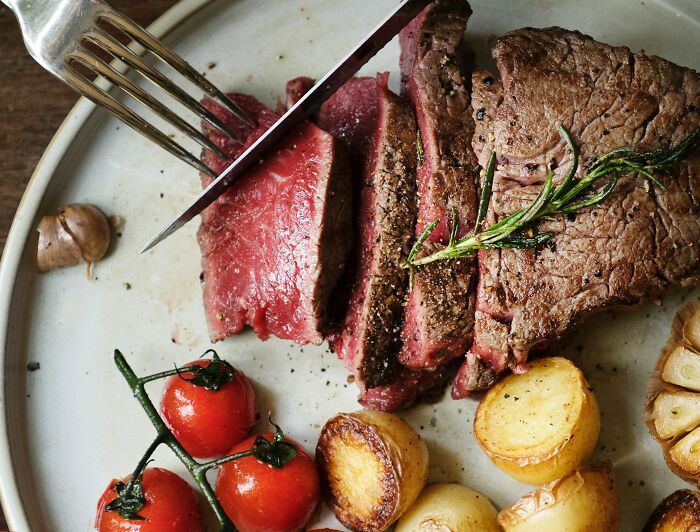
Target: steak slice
(380,132)
(626,251)
(274,245)
(439,311)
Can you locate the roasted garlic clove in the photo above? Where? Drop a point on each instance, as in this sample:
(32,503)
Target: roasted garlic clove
(682,368)
(691,330)
(77,233)
(675,413)
(673,404)
(686,453)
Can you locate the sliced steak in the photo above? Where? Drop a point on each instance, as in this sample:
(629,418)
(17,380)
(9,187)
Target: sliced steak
(626,251)
(439,312)
(296,88)
(273,246)
(380,132)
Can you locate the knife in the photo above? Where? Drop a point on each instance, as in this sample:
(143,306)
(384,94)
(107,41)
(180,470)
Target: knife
(303,109)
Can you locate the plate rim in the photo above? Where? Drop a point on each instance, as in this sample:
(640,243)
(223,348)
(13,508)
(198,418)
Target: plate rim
(22,227)
(12,504)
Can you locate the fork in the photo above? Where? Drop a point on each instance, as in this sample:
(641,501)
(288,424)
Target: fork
(62,36)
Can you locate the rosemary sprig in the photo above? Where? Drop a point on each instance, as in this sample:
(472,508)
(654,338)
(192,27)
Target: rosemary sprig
(570,196)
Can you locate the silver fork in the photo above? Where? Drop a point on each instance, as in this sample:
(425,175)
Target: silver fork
(60,35)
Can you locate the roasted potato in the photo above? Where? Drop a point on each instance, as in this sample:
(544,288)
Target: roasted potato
(373,466)
(540,425)
(673,405)
(585,500)
(449,508)
(679,512)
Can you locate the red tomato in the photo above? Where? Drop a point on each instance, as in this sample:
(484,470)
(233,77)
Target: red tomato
(260,498)
(171,506)
(208,423)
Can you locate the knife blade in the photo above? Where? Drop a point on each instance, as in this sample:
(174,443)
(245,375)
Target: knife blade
(303,109)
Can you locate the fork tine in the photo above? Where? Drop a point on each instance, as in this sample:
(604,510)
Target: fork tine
(78,82)
(165,54)
(121,81)
(122,52)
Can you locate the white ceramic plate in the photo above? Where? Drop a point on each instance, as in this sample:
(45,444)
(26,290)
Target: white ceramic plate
(72,425)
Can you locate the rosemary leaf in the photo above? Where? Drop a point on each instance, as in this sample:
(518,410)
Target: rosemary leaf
(419,242)
(569,196)
(455,227)
(485,197)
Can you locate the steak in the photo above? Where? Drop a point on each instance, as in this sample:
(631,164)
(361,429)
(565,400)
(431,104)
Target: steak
(623,252)
(380,132)
(274,245)
(296,88)
(439,310)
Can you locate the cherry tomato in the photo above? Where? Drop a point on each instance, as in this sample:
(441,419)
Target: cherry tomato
(171,506)
(260,498)
(208,423)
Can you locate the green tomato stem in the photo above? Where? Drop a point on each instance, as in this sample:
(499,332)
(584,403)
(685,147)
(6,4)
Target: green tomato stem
(143,462)
(197,470)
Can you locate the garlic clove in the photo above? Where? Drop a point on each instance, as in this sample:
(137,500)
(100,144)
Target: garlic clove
(90,230)
(675,413)
(691,330)
(78,233)
(56,245)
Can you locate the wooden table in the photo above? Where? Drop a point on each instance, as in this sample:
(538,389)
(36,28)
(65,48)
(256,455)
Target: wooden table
(32,106)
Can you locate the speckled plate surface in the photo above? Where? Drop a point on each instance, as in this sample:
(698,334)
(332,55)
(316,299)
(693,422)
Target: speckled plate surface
(71,426)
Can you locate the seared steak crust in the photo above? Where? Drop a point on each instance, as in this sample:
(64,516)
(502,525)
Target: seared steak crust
(626,251)
(439,312)
(368,340)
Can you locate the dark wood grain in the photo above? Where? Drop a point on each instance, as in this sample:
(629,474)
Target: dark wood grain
(32,106)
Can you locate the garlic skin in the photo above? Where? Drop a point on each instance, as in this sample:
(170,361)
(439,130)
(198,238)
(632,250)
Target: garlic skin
(77,233)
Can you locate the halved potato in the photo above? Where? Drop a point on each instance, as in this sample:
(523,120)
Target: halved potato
(673,404)
(539,425)
(682,368)
(675,413)
(373,466)
(679,512)
(449,508)
(582,501)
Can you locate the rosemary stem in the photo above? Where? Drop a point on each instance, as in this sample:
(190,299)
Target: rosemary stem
(569,196)
(166,436)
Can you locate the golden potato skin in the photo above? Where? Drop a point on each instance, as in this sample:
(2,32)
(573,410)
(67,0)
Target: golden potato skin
(449,508)
(679,512)
(373,466)
(540,425)
(585,500)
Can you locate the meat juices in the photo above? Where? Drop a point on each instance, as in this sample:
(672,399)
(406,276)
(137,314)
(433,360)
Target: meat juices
(274,245)
(626,251)
(439,312)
